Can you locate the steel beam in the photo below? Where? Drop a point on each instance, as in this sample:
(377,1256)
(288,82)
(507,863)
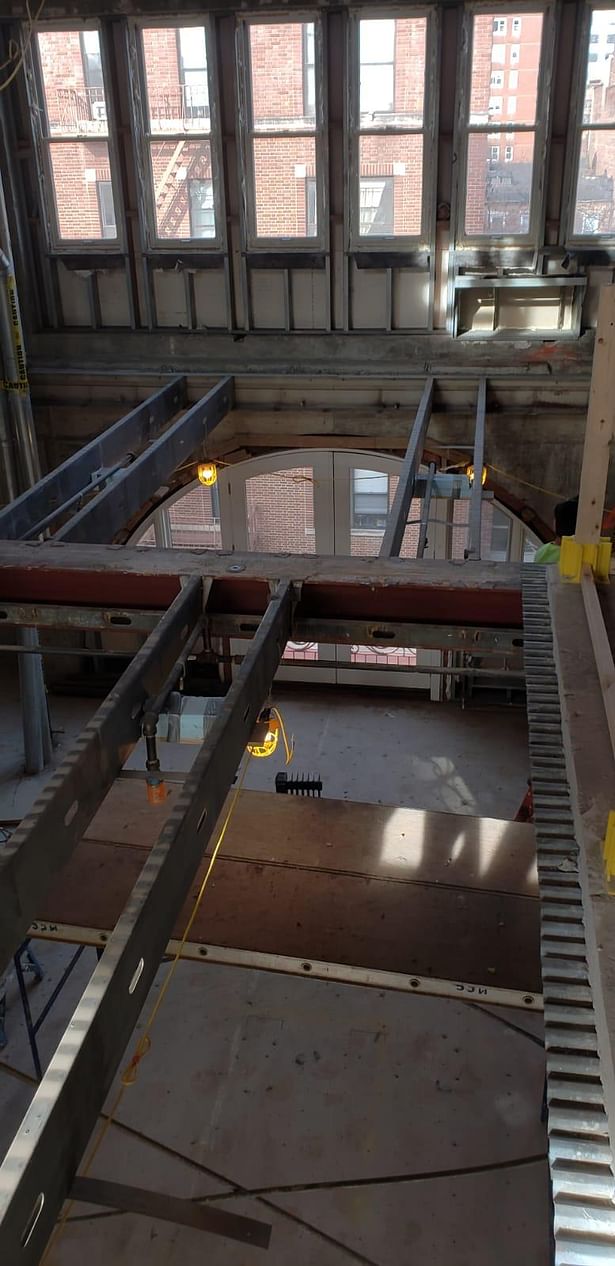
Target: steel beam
(47,835)
(370,589)
(476,499)
(398,514)
(176,1209)
(114,507)
(137,428)
(39,1168)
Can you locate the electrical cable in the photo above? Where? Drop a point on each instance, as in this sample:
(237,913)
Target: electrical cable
(21,50)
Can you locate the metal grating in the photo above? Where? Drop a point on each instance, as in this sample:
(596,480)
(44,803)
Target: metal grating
(580,1148)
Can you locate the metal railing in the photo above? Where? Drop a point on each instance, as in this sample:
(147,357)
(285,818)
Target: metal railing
(77,110)
(183,107)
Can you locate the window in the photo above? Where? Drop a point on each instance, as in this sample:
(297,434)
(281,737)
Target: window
(106,208)
(177,126)
(498,196)
(515,53)
(282,98)
(498,53)
(594,202)
(377,61)
(376,207)
(513,80)
(370,501)
(499,542)
(389,129)
(74,135)
(311,213)
(497,79)
(193,82)
(202,215)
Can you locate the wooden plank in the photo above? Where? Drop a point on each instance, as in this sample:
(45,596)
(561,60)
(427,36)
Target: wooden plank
(600,427)
(355,919)
(338,836)
(363,885)
(603,654)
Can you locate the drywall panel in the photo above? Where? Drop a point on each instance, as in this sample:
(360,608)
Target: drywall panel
(170,298)
(113,297)
(308,289)
(210,299)
(411,295)
(74,296)
(369,298)
(267,298)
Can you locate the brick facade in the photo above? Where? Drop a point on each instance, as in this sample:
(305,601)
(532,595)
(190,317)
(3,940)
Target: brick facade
(505,70)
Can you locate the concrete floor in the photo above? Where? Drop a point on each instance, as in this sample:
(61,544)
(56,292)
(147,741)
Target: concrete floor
(364,1126)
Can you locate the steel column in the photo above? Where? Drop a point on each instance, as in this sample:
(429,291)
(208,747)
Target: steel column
(60,815)
(137,428)
(425,509)
(133,487)
(476,500)
(40,1166)
(398,514)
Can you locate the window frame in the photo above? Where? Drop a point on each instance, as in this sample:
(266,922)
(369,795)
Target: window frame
(425,239)
(145,137)
(247,132)
(581,242)
(43,141)
(540,129)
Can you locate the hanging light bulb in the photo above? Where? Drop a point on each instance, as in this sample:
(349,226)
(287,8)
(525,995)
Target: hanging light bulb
(207,474)
(470,474)
(265,734)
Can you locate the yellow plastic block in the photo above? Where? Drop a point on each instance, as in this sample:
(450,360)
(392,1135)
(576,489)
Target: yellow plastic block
(608,850)
(574,555)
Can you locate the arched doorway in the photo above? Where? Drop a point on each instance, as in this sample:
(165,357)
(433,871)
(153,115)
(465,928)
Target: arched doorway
(328,501)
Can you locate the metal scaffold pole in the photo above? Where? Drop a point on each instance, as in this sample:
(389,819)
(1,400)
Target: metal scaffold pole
(16,414)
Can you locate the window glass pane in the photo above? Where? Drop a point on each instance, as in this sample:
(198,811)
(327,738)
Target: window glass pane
(73,89)
(499,189)
(392,71)
(391,185)
(176,76)
(181,172)
(595,201)
(282,75)
(599,104)
(195,519)
(280,510)
(595,197)
(496,45)
(82,187)
(202,219)
(283,169)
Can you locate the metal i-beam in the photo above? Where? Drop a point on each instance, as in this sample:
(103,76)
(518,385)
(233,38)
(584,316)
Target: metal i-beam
(137,428)
(476,499)
(398,514)
(48,834)
(133,487)
(39,1168)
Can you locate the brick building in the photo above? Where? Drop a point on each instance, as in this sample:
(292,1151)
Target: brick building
(505,69)
(594,209)
(283,88)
